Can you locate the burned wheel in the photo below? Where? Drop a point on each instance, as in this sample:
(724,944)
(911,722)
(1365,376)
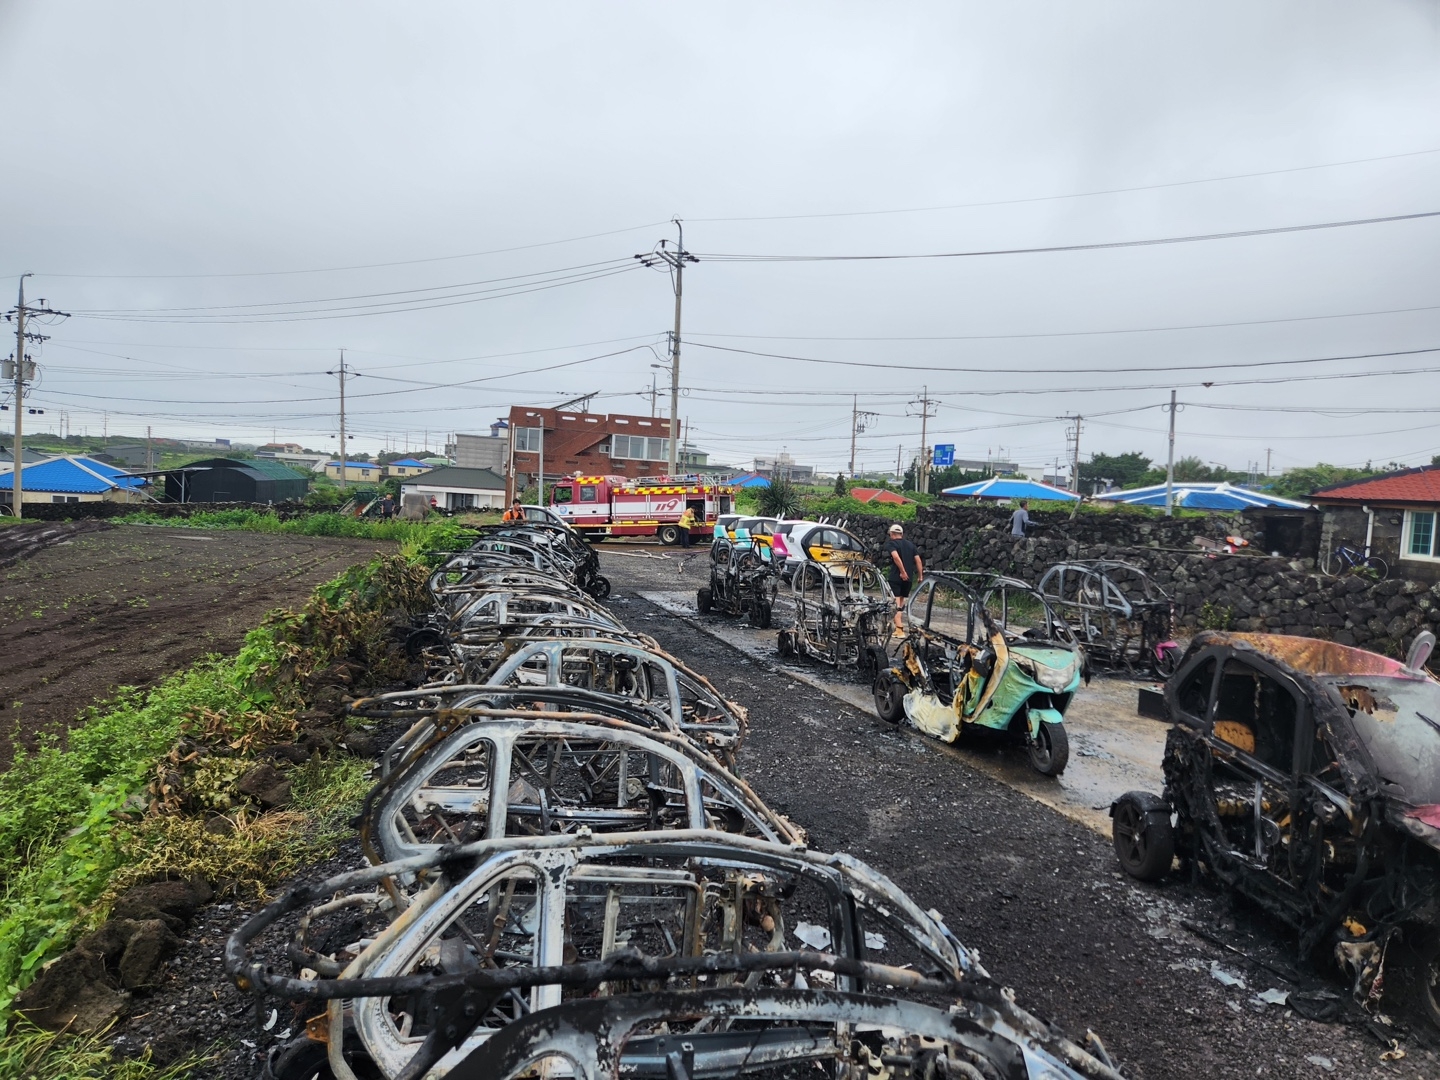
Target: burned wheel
(889,697)
(785,642)
(1050,750)
(760,615)
(599,587)
(1144,839)
(704,601)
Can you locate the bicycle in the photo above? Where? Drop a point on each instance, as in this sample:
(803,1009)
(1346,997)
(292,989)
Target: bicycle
(1350,559)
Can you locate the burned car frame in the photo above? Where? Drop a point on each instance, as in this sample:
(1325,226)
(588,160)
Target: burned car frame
(521,772)
(683,902)
(1124,619)
(1306,776)
(841,613)
(998,660)
(741,583)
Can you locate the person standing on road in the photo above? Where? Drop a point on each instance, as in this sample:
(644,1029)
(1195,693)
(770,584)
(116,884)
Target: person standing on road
(515,513)
(1020,520)
(687,522)
(906,568)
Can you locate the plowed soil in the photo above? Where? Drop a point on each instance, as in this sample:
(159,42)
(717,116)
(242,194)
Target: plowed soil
(129,605)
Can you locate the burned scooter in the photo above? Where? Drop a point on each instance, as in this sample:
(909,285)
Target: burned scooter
(1000,660)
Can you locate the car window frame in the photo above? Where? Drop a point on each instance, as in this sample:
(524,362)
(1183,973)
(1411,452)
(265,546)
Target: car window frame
(1304,723)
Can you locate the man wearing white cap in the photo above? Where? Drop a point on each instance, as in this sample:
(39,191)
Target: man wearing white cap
(905,566)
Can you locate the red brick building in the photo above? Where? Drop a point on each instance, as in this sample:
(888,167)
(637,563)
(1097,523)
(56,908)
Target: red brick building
(587,443)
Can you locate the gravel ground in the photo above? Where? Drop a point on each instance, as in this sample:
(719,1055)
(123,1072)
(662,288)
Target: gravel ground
(1038,894)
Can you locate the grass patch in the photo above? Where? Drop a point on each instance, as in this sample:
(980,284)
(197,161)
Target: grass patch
(322,524)
(82,819)
(29,1053)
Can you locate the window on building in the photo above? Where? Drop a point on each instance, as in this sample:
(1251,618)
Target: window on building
(64,498)
(639,448)
(1420,534)
(527,440)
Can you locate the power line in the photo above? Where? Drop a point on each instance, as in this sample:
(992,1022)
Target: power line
(1077,194)
(990,370)
(1053,248)
(363,266)
(1070,333)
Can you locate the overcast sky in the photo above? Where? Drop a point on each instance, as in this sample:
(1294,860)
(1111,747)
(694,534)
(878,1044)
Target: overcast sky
(206,187)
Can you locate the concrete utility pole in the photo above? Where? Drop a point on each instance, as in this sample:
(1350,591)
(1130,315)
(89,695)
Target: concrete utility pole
(675,260)
(24,372)
(1075,454)
(922,466)
(342,371)
(859,421)
(149,450)
(1170,464)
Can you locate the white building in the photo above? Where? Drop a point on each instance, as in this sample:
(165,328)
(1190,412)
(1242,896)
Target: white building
(458,489)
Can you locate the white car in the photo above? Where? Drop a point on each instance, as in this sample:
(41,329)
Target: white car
(797,542)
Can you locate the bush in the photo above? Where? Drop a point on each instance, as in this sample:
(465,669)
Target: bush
(779,499)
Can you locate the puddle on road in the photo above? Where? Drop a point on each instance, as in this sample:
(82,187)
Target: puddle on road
(1112,750)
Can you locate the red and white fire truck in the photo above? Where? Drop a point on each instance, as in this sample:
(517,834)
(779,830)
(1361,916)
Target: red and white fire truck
(600,506)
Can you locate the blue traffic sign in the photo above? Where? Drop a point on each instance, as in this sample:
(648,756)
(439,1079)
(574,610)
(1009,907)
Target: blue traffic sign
(944,454)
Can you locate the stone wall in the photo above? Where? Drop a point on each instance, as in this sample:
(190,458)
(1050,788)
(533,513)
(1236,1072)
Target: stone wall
(1254,592)
(107,510)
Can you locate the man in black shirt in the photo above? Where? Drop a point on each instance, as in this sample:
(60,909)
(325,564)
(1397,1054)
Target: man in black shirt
(905,567)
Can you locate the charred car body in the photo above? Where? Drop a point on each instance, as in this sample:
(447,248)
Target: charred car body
(1125,620)
(1306,775)
(998,660)
(841,613)
(741,582)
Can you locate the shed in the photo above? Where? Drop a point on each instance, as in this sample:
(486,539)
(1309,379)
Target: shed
(454,488)
(234,480)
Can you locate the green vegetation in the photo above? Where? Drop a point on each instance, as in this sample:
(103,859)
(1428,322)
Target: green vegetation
(28,1052)
(127,796)
(321,524)
(779,498)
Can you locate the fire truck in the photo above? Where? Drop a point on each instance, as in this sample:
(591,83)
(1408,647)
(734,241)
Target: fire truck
(601,506)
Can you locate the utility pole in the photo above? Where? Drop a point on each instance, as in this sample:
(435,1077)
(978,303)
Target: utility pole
(342,371)
(1267,461)
(922,465)
(859,421)
(653,392)
(24,372)
(149,450)
(1170,464)
(1074,433)
(675,260)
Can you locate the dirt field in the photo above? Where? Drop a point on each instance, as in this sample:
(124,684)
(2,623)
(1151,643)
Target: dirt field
(128,605)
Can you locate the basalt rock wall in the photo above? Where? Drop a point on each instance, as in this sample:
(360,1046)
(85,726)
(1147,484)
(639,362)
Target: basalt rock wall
(1247,591)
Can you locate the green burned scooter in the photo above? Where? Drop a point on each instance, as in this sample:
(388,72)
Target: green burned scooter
(984,652)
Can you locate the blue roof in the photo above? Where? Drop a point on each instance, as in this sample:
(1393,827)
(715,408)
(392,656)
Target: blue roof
(1203,496)
(1004,487)
(410,463)
(71,476)
(749,480)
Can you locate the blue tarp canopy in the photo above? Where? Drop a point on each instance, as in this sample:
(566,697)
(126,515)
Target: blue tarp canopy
(1004,487)
(1203,496)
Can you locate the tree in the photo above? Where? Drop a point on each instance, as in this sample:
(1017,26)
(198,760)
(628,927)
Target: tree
(779,499)
(1299,483)
(841,488)
(1123,470)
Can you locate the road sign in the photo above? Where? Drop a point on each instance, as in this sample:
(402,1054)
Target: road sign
(944,454)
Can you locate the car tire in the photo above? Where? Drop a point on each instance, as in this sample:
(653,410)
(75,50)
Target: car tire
(785,642)
(599,587)
(669,535)
(704,601)
(761,615)
(889,697)
(1143,836)
(1050,750)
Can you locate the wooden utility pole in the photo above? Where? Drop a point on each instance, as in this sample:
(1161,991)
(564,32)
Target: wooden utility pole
(859,421)
(922,465)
